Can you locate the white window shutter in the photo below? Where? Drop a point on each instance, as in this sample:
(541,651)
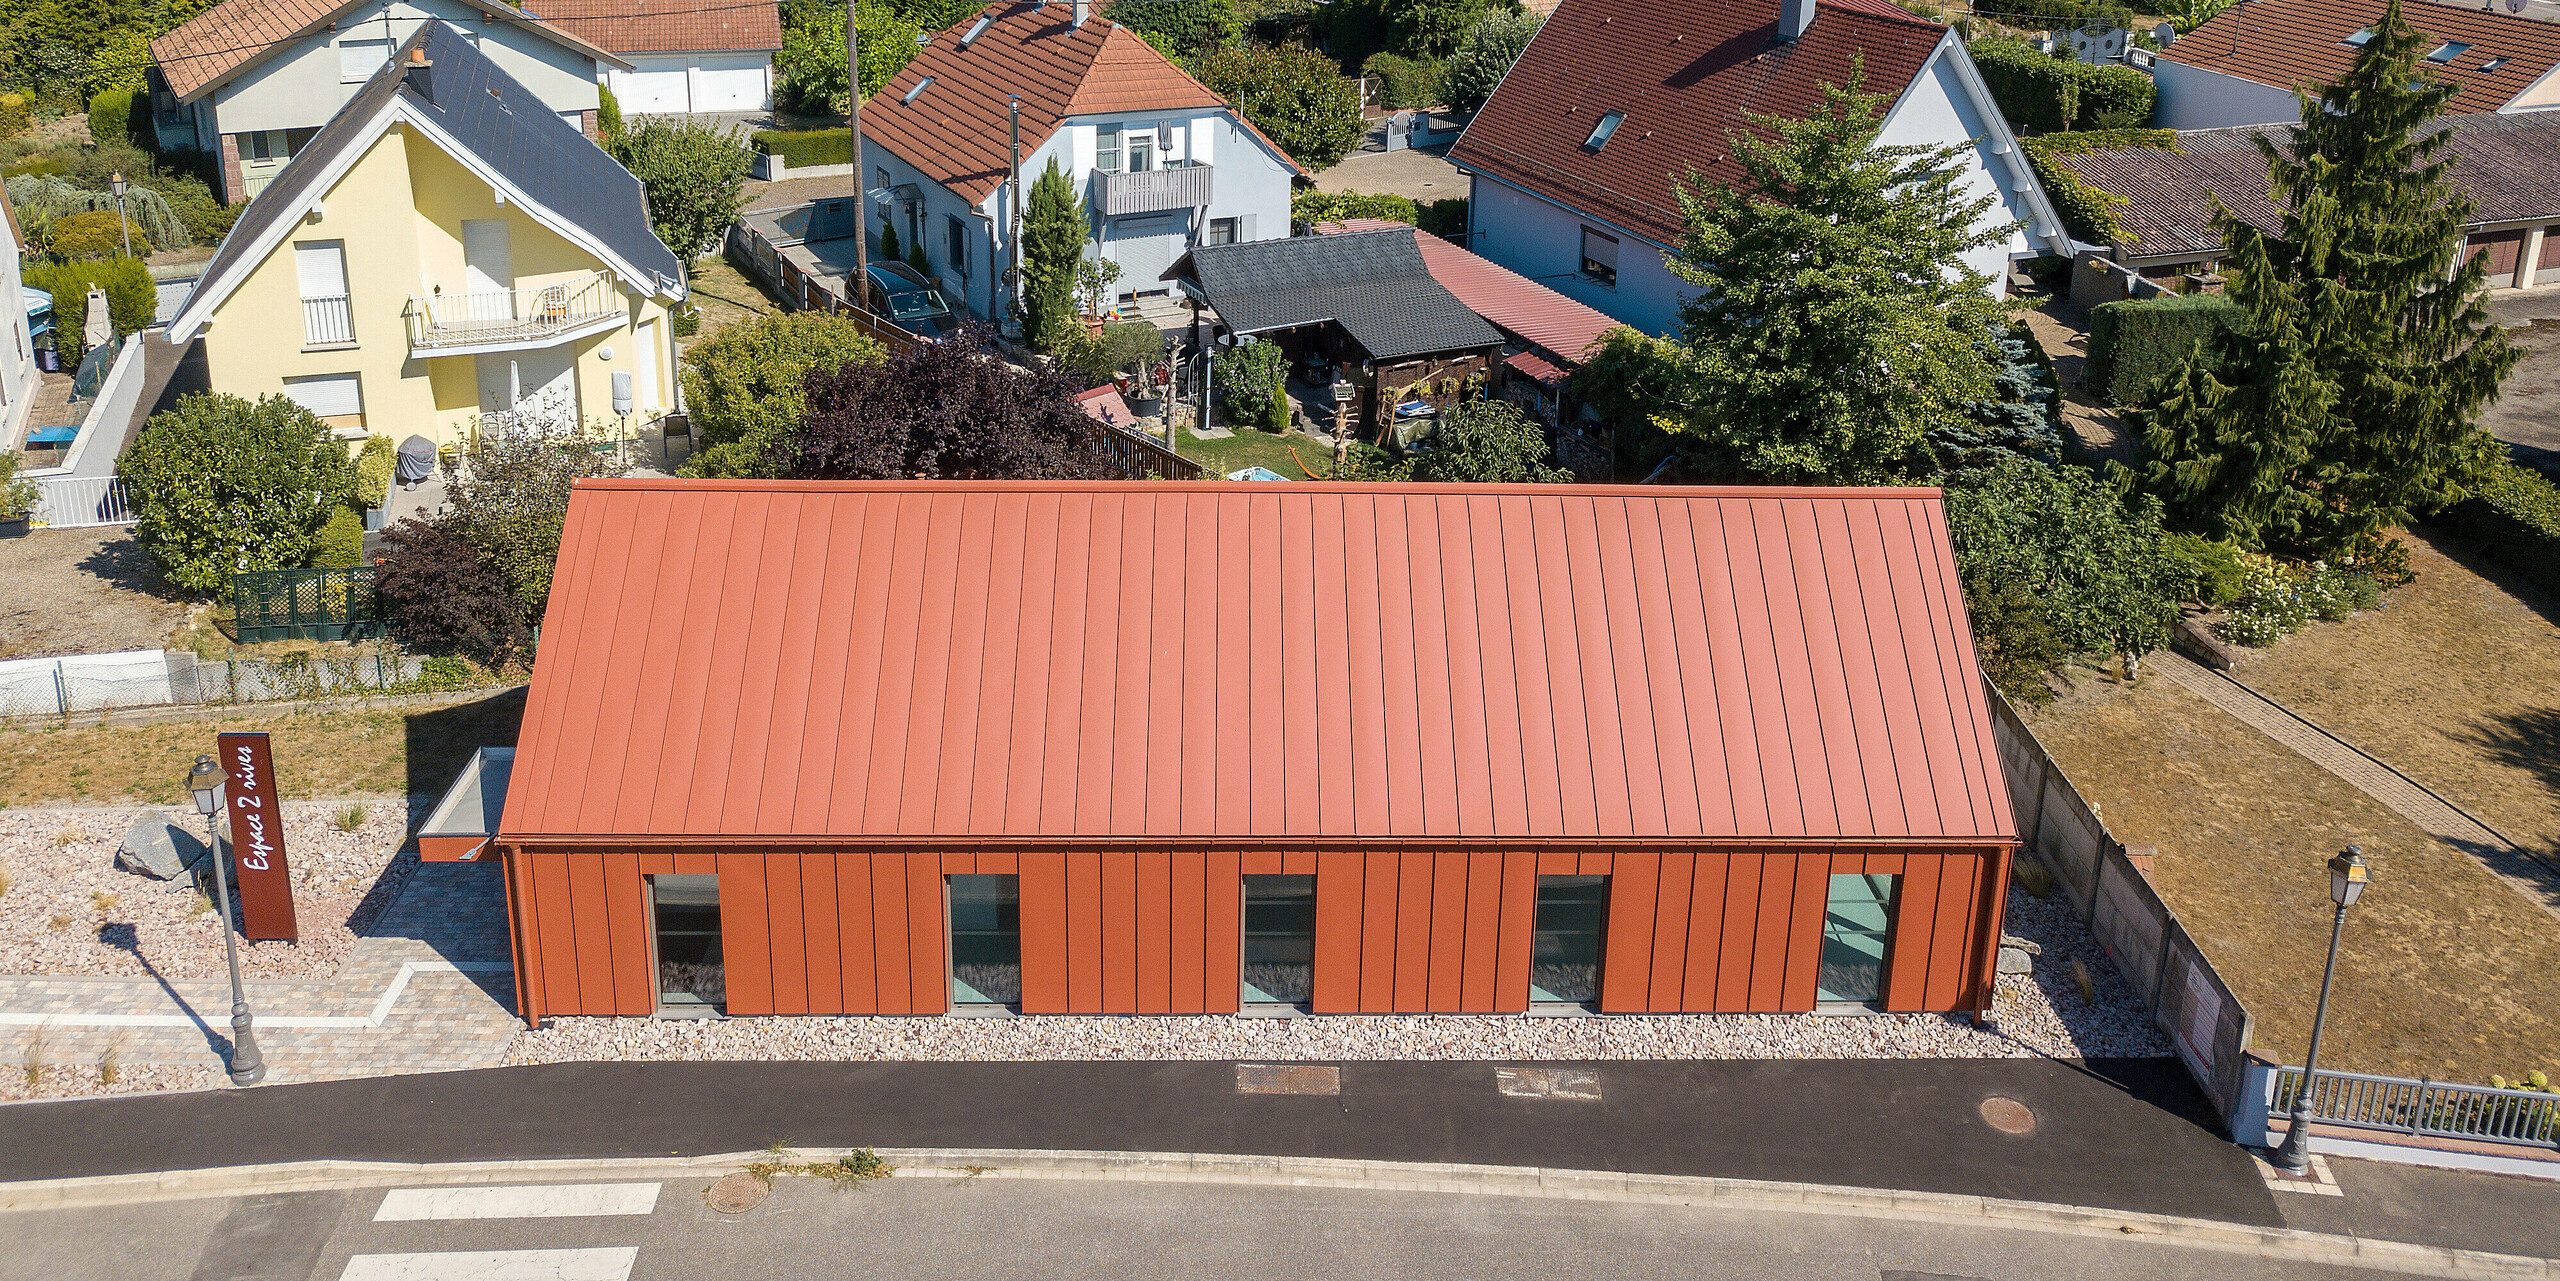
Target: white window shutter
(327,395)
(322,265)
(1244,228)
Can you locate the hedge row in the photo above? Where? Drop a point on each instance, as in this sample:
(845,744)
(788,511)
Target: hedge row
(805,147)
(2133,345)
(2044,94)
(2515,518)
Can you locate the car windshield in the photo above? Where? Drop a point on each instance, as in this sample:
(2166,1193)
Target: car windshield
(916,304)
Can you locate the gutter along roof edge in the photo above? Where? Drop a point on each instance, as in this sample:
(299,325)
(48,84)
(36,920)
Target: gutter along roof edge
(527,842)
(1673,492)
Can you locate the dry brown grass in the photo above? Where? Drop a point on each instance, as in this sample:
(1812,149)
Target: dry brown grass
(2446,972)
(2456,684)
(349,752)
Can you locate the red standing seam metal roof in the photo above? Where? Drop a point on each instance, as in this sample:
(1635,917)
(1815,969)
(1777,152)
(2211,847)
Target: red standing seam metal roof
(2290,43)
(1523,309)
(971,661)
(1687,75)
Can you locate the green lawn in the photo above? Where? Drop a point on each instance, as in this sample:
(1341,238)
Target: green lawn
(1249,448)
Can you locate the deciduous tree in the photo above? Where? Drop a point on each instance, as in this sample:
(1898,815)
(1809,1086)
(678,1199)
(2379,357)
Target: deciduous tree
(2056,563)
(1297,97)
(695,175)
(944,410)
(1486,55)
(745,385)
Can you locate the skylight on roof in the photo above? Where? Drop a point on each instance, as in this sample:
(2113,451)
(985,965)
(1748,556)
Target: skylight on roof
(2448,51)
(2359,39)
(1600,132)
(2493,64)
(912,94)
(984,21)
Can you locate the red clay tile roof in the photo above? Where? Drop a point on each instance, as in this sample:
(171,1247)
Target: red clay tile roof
(956,131)
(2286,43)
(667,26)
(1685,74)
(955,662)
(208,48)
(1524,310)
(2508,165)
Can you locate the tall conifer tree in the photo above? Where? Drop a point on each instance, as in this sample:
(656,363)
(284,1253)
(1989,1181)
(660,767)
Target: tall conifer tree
(1053,235)
(2351,396)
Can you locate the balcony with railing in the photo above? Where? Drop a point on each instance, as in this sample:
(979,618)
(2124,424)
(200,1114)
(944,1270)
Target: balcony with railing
(327,321)
(1176,186)
(513,319)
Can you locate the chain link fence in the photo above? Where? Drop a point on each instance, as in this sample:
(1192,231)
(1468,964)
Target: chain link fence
(153,678)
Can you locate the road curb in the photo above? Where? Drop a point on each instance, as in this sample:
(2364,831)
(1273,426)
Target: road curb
(1319,1172)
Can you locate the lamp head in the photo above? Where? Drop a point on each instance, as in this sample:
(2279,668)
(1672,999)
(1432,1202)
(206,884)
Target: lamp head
(115,183)
(2348,876)
(205,780)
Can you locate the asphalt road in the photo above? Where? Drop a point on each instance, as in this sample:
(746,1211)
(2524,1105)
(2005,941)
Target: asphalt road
(1069,1230)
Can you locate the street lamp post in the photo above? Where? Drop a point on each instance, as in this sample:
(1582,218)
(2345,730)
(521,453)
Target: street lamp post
(2347,878)
(205,780)
(115,183)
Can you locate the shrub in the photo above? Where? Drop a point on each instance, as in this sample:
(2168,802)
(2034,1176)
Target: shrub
(687,321)
(944,410)
(2094,565)
(608,114)
(2088,213)
(221,485)
(440,597)
(805,146)
(2134,346)
(340,542)
(131,297)
(1294,95)
(15,115)
(1486,55)
(1193,27)
(888,239)
(17,493)
(2211,572)
(1445,218)
(1408,82)
(746,385)
(84,237)
(2277,600)
(111,115)
(2040,93)
(513,496)
(1311,206)
(1250,379)
(374,464)
(2514,516)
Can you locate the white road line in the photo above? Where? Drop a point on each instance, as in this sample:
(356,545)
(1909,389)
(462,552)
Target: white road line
(535,1201)
(381,1007)
(608,1264)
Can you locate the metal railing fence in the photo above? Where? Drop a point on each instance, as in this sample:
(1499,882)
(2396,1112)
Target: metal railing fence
(529,314)
(329,318)
(73,502)
(2435,1108)
(304,604)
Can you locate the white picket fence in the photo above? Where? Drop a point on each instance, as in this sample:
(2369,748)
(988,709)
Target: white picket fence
(74,502)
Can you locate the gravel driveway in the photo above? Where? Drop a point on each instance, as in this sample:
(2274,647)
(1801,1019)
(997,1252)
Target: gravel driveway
(82,591)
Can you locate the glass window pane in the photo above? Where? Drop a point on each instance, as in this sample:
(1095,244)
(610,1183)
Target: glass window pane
(687,909)
(1279,940)
(986,940)
(1564,958)
(1855,923)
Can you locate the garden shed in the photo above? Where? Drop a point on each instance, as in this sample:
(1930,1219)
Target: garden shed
(1132,748)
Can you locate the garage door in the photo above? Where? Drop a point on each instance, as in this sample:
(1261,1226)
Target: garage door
(731,82)
(653,84)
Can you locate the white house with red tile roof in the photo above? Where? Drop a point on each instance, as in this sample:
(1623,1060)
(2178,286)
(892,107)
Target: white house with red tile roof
(686,56)
(1574,160)
(2242,67)
(1161,162)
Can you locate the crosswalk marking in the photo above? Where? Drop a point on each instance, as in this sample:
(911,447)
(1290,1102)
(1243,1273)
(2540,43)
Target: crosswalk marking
(538,1201)
(608,1264)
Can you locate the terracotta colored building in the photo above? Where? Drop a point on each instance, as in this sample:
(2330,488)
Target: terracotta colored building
(1179,748)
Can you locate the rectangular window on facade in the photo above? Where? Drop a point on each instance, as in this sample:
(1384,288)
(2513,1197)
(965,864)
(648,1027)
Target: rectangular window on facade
(685,911)
(359,59)
(1564,955)
(1222,231)
(1856,923)
(986,940)
(1142,152)
(1599,256)
(956,252)
(327,317)
(335,399)
(1106,148)
(1279,940)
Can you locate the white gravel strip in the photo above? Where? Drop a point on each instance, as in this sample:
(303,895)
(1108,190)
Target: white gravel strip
(68,910)
(79,1080)
(2042,1015)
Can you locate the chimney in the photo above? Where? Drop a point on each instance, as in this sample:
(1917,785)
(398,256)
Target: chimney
(1083,8)
(421,72)
(1793,17)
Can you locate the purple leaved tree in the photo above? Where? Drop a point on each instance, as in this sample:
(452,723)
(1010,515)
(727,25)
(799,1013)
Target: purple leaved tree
(943,411)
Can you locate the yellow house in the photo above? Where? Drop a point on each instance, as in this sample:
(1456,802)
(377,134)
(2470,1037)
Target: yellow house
(447,250)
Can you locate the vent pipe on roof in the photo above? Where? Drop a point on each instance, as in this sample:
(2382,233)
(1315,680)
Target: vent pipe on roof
(1794,16)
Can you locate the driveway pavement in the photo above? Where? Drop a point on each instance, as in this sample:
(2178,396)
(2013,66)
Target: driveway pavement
(2527,415)
(1421,175)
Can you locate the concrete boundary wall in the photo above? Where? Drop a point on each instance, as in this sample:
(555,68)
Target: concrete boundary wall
(2188,999)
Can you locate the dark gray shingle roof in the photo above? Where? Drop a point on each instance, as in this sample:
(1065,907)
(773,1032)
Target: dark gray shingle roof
(1372,283)
(501,121)
(2508,165)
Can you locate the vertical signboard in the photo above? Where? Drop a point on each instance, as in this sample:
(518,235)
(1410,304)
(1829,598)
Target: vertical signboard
(257,838)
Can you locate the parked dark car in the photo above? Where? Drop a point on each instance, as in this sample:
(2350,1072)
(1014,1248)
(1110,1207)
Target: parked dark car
(910,301)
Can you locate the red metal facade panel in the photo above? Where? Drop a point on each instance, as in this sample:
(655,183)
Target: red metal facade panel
(1405,663)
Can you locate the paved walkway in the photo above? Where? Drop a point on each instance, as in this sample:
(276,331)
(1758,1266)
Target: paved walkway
(431,989)
(2403,795)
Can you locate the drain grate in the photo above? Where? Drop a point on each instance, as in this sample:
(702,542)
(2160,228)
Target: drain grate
(1287,1078)
(2008,1116)
(1547,1083)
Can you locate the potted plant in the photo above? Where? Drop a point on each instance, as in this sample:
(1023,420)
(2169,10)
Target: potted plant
(1146,392)
(17,497)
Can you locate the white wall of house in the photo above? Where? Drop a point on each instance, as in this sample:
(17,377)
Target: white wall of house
(1939,109)
(968,279)
(17,351)
(705,80)
(303,84)
(2194,98)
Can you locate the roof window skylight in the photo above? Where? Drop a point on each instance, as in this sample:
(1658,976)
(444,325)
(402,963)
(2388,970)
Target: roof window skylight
(984,21)
(2493,64)
(2448,51)
(912,94)
(2359,39)
(1600,132)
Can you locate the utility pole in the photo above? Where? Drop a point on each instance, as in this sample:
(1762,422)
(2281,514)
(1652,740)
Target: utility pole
(861,284)
(1013,213)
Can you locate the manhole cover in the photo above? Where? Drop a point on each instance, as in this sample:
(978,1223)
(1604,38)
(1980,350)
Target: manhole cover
(2008,1116)
(737,1193)
(1287,1078)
